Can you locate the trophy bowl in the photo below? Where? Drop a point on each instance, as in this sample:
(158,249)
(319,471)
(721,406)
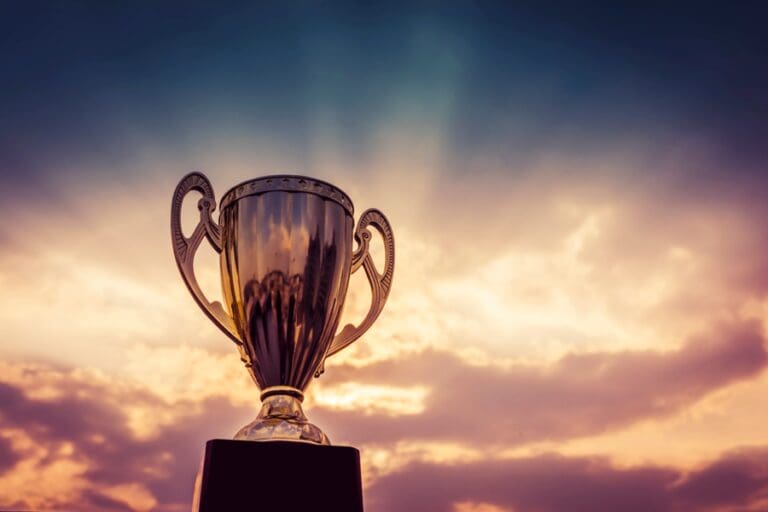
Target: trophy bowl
(286,255)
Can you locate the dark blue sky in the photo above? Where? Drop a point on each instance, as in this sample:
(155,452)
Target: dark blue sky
(505,80)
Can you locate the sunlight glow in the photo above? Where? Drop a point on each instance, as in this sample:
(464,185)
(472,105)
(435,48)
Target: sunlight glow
(470,506)
(373,399)
(135,495)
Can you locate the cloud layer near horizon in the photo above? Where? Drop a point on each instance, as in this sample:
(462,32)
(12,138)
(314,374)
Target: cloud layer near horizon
(82,439)
(579,395)
(737,481)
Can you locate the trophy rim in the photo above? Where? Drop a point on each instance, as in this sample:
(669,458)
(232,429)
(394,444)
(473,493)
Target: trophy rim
(286,183)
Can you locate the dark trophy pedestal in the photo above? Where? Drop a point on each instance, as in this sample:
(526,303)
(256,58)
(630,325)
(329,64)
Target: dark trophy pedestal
(255,476)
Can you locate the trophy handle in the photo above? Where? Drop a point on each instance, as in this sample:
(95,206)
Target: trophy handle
(184,249)
(380,283)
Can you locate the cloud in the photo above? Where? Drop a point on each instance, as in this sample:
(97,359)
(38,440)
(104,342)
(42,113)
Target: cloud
(80,439)
(580,395)
(80,448)
(7,456)
(733,480)
(552,483)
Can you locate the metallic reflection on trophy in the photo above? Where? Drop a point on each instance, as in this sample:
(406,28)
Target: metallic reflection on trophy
(286,254)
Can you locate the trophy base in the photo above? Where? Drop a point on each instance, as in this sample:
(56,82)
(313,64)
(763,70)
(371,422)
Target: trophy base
(282,419)
(239,476)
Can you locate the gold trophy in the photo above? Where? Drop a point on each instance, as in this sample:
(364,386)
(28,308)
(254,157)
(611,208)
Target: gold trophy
(286,255)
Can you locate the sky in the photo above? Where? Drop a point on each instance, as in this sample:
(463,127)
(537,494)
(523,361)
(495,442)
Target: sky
(578,313)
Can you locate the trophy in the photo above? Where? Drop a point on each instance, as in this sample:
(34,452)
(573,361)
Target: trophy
(286,256)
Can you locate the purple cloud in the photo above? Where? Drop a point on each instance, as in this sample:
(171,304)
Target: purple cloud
(551,483)
(734,480)
(7,456)
(90,417)
(580,395)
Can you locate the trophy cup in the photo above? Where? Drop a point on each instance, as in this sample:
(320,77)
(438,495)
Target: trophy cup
(286,256)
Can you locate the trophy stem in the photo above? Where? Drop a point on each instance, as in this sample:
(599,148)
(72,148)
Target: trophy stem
(282,419)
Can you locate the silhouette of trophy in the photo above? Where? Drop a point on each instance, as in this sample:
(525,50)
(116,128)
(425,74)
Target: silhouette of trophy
(286,256)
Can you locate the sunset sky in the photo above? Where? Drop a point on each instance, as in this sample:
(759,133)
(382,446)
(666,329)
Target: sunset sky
(578,194)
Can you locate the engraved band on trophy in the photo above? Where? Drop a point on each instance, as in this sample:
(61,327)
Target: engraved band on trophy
(286,256)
